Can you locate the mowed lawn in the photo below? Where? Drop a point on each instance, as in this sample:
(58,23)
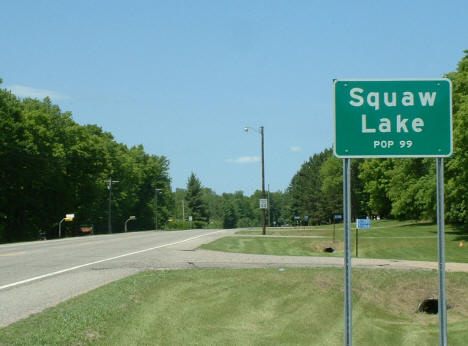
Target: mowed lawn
(386,239)
(274,306)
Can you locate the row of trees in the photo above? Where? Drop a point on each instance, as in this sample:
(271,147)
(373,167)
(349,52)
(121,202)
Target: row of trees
(228,210)
(50,166)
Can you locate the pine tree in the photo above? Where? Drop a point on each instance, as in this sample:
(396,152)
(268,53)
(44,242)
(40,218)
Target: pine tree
(196,205)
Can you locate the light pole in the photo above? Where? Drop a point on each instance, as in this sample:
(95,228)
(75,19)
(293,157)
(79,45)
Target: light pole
(156,208)
(109,187)
(131,218)
(183,211)
(246,129)
(269,207)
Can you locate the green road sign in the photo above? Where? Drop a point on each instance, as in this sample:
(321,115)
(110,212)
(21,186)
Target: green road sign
(393,118)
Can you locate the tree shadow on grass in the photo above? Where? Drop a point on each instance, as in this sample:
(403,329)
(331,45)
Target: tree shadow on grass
(421,224)
(460,232)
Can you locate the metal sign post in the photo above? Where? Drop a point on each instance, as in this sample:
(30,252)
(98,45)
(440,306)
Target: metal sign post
(347,249)
(441,252)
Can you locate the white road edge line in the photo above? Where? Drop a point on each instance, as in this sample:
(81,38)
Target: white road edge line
(100,261)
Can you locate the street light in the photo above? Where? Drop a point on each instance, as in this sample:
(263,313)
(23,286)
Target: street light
(131,218)
(156,208)
(246,129)
(67,218)
(109,187)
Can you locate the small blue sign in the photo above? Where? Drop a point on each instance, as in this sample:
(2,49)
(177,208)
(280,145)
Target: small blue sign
(306,217)
(297,217)
(363,223)
(338,217)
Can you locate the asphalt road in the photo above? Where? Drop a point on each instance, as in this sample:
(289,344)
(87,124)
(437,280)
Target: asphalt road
(37,275)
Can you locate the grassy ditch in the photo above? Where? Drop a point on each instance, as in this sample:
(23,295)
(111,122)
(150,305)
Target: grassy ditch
(299,306)
(386,239)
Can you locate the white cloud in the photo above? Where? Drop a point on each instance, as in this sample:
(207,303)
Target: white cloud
(295,148)
(244,159)
(24,91)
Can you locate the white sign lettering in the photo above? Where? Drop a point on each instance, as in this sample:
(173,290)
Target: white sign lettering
(385,125)
(390,99)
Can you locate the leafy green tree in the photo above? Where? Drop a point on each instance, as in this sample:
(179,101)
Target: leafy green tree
(305,190)
(277,203)
(214,205)
(179,204)
(457,166)
(52,166)
(229,214)
(331,174)
(376,177)
(13,158)
(412,189)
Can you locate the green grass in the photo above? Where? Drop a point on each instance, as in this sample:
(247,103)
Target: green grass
(292,306)
(386,239)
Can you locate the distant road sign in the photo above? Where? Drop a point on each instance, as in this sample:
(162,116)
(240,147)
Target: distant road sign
(338,217)
(393,118)
(263,203)
(363,223)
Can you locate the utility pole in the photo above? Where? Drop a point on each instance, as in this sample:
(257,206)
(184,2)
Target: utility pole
(246,129)
(156,208)
(183,211)
(263,181)
(109,215)
(269,205)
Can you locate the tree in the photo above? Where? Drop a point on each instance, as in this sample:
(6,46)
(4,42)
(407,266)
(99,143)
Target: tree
(306,198)
(195,203)
(412,189)
(331,174)
(376,177)
(229,214)
(179,200)
(457,166)
(214,204)
(52,166)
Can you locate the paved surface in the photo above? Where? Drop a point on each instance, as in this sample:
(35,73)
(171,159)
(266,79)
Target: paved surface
(37,275)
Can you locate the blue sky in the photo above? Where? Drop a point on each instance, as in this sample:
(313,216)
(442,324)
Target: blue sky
(183,78)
